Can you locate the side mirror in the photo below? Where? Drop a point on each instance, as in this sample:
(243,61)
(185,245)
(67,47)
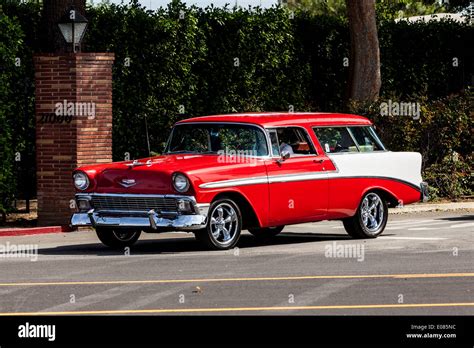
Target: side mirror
(284,156)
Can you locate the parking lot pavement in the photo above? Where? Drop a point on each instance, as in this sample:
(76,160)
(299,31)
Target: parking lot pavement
(422,264)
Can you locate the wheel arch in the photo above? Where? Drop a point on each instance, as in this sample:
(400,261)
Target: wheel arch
(391,199)
(250,219)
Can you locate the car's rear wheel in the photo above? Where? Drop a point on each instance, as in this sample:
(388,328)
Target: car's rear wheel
(223,227)
(266,233)
(118,238)
(370,219)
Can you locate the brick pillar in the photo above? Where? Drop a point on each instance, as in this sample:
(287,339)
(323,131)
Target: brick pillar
(73,125)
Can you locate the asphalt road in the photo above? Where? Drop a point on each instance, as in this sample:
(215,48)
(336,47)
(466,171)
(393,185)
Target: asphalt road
(422,264)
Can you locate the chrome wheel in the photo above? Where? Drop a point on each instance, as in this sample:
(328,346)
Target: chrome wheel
(372,212)
(224,224)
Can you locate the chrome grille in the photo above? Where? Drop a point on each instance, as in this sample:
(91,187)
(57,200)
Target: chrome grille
(133,203)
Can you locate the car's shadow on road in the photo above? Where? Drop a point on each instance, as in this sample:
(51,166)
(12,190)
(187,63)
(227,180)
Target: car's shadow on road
(458,218)
(187,244)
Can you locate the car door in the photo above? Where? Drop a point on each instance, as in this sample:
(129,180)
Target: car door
(298,185)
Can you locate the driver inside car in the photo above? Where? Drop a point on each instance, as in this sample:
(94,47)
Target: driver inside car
(285,139)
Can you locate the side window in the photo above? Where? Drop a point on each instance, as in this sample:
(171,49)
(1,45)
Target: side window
(294,140)
(274,141)
(335,139)
(366,139)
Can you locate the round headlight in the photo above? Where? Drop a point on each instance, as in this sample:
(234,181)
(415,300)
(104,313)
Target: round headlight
(180,182)
(81,181)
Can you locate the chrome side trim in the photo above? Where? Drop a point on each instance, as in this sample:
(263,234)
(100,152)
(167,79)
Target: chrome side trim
(266,180)
(298,177)
(236,182)
(325,175)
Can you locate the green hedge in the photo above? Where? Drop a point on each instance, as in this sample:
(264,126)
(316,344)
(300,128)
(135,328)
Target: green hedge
(209,61)
(11,37)
(285,62)
(19,25)
(183,62)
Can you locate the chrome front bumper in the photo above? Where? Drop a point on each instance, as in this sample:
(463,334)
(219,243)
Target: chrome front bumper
(147,220)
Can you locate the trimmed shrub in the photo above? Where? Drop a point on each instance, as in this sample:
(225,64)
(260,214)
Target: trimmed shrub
(452,178)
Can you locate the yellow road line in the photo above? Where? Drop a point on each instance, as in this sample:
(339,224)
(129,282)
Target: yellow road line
(241,309)
(209,280)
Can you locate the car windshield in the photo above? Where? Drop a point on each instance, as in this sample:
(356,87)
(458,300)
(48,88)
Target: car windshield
(233,139)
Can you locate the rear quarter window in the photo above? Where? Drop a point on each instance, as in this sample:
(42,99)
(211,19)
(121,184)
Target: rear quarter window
(335,139)
(348,139)
(366,139)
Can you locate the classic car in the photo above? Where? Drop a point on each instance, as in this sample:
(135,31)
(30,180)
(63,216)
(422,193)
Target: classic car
(219,175)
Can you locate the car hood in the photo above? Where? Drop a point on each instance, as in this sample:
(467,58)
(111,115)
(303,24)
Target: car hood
(153,175)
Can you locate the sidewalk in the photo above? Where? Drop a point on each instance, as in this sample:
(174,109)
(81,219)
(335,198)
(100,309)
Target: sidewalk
(428,207)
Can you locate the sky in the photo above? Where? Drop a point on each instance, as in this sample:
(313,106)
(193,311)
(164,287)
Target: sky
(201,3)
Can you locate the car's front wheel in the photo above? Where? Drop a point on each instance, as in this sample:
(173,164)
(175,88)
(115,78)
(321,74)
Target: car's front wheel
(370,219)
(266,233)
(223,227)
(118,238)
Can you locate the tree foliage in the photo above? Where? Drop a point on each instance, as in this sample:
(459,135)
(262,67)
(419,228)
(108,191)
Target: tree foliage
(184,61)
(11,40)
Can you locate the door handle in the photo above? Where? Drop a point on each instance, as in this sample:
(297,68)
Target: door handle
(320,160)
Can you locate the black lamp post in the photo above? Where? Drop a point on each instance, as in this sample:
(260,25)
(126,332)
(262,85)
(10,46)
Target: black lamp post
(73,26)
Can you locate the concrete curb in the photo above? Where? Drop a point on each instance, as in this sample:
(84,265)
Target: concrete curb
(8,232)
(428,207)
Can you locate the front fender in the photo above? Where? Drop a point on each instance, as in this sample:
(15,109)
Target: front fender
(256,196)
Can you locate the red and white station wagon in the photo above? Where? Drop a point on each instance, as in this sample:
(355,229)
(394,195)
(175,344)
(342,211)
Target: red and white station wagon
(223,174)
